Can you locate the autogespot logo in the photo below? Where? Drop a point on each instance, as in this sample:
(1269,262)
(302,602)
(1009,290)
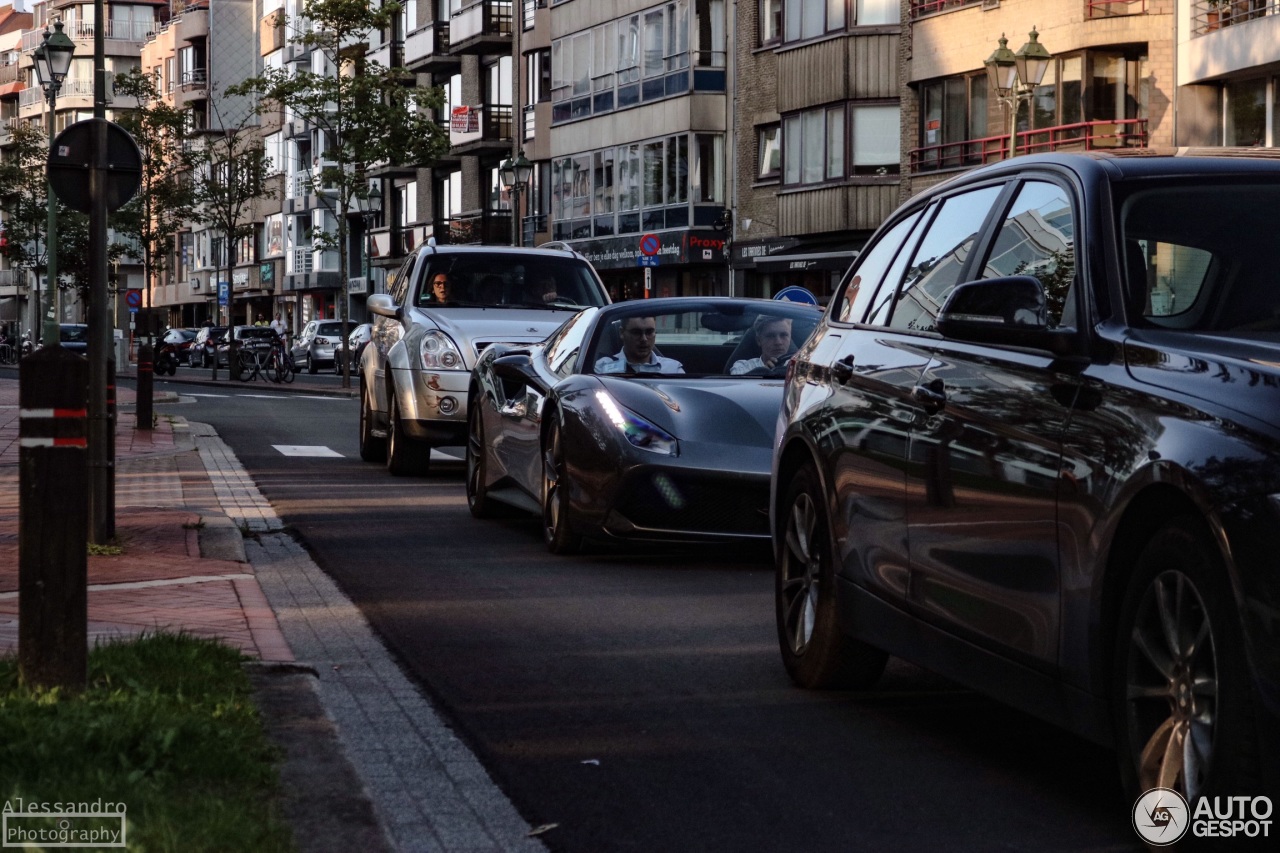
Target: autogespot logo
(1161,816)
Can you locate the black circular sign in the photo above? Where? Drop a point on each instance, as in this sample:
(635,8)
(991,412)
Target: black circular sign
(71,161)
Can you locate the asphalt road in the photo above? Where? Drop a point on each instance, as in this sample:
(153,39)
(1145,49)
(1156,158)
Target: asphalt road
(636,699)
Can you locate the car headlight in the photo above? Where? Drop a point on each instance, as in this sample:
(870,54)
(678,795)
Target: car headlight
(439,352)
(639,432)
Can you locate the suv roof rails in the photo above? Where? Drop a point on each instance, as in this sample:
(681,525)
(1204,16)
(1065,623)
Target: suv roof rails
(559,245)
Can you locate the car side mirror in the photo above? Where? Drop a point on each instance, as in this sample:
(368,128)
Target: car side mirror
(516,368)
(383,305)
(1011,310)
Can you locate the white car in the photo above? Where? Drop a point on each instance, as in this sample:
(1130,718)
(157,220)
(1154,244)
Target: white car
(416,371)
(319,345)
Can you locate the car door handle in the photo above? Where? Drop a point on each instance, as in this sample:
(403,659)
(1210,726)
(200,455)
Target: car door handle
(842,370)
(932,396)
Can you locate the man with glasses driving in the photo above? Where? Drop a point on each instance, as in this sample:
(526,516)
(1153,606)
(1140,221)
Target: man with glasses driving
(637,355)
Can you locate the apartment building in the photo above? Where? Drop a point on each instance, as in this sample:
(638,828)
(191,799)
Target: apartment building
(1109,83)
(16,315)
(1228,89)
(817,160)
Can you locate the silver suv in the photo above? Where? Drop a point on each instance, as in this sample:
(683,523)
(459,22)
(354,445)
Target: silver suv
(442,308)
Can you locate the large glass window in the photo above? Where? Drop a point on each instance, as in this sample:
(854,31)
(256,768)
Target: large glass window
(1247,112)
(813,146)
(875,139)
(768,152)
(936,265)
(806,19)
(770,20)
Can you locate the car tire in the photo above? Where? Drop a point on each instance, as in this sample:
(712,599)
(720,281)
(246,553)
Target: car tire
(405,457)
(1182,697)
(372,448)
(478,500)
(311,365)
(816,652)
(557,531)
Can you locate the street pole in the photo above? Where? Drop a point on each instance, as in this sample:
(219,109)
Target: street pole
(50,331)
(102,510)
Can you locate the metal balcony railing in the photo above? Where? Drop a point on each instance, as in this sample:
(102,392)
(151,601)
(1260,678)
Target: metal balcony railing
(1086,136)
(1209,16)
(303,259)
(70,88)
(83,31)
(197,78)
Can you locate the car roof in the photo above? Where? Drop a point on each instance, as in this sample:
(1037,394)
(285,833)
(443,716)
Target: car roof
(556,250)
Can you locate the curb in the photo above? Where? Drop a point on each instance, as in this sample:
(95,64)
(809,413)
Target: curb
(283,388)
(220,539)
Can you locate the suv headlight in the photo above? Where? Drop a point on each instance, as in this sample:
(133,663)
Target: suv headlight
(439,352)
(639,432)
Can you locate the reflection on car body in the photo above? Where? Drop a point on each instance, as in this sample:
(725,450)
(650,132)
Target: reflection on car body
(1050,472)
(669,446)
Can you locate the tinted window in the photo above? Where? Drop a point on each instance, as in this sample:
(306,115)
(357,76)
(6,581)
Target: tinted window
(870,271)
(510,279)
(1037,238)
(329,329)
(565,342)
(935,267)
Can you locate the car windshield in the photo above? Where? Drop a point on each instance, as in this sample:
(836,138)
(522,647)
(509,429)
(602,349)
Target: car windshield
(502,280)
(747,339)
(1191,257)
(73,334)
(262,332)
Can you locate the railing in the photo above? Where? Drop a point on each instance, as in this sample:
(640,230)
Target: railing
(300,185)
(1210,15)
(10,73)
(530,121)
(920,8)
(532,225)
(431,40)
(626,88)
(83,31)
(1114,8)
(494,123)
(197,78)
(302,261)
(489,226)
(1086,136)
(70,88)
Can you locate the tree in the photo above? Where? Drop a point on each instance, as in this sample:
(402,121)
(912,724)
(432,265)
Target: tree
(165,198)
(231,168)
(24,198)
(368,114)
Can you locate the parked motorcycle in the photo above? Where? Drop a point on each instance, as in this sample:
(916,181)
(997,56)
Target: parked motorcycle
(166,360)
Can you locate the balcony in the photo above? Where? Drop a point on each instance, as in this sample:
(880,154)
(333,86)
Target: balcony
(1094,9)
(197,79)
(134,32)
(1084,136)
(1208,16)
(482,27)
(474,130)
(491,227)
(388,54)
(427,50)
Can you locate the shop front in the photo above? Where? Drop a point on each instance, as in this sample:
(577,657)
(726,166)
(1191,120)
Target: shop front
(764,267)
(681,262)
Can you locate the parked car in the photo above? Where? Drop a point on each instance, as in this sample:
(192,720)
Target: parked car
(356,342)
(319,345)
(447,303)
(1033,446)
(202,348)
(688,453)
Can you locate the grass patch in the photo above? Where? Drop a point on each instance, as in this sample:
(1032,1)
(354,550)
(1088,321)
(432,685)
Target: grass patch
(105,550)
(167,726)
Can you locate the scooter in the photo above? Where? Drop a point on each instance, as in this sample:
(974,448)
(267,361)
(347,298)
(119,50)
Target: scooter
(166,360)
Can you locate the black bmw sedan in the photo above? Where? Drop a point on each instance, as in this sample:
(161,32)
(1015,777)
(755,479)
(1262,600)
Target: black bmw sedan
(1034,445)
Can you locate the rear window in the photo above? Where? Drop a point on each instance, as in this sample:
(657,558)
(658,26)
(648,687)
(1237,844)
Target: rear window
(73,334)
(329,329)
(479,279)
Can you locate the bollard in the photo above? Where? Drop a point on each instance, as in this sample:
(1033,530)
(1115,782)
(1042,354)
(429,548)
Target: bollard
(53,519)
(233,360)
(146,385)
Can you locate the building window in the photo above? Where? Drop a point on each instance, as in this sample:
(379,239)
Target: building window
(869,13)
(770,21)
(813,146)
(768,152)
(538,76)
(875,134)
(952,110)
(1246,112)
(806,19)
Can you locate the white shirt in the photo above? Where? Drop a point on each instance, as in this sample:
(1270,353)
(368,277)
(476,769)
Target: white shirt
(655,364)
(277,326)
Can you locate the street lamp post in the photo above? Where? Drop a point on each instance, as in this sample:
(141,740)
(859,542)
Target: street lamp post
(1015,76)
(515,175)
(370,205)
(52,61)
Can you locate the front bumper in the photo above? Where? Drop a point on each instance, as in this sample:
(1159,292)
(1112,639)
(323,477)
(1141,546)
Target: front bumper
(433,405)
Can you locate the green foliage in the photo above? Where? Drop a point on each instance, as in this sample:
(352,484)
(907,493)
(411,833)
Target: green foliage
(167,727)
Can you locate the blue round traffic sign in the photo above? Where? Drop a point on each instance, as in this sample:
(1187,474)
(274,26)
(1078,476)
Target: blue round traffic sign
(133,298)
(650,244)
(796,293)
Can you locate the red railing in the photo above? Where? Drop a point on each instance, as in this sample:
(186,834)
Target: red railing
(1114,8)
(1082,136)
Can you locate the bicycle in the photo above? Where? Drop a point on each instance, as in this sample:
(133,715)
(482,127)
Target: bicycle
(280,364)
(8,355)
(253,363)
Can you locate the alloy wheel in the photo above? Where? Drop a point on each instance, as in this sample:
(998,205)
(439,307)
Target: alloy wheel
(802,570)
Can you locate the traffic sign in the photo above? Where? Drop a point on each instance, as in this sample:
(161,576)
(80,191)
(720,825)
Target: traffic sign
(796,293)
(70,164)
(650,244)
(133,309)
(647,260)
(133,298)
(224,293)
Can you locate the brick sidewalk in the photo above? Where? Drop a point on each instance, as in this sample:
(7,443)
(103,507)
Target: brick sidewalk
(164,506)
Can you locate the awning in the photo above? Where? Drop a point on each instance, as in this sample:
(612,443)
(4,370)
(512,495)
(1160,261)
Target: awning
(810,256)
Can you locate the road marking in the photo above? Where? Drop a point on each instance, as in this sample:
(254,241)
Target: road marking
(317,450)
(208,395)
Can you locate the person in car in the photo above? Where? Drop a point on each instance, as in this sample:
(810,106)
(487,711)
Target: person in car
(546,288)
(637,355)
(441,288)
(773,335)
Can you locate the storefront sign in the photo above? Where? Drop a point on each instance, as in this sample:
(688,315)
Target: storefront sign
(685,246)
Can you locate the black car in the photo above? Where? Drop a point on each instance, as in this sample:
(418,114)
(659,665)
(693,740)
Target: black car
(74,337)
(1034,446)
(646,420)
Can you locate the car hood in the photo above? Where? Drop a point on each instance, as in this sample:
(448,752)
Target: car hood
(1240,374)
(725,411)
(472,329)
